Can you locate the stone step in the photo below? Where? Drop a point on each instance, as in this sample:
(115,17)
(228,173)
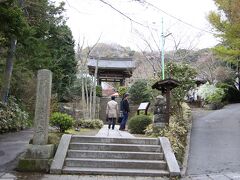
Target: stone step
(115,147)
(114,155)
(115,171)
(116,163)
(92,139)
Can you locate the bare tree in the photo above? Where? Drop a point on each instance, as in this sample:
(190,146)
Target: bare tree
(87,99)
(206,66)
(153,51)
(94,88)
(212,70)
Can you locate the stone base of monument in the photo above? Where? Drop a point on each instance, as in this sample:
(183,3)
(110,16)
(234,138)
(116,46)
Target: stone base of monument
(160,124)
(159,120)
(37,158)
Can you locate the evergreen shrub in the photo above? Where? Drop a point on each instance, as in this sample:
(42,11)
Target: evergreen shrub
(232,94)
(62,121)
(216,97)
(212,94)
(176,131)
(140,91)
(139,123)
(99,91)
(12,117)
(122,90)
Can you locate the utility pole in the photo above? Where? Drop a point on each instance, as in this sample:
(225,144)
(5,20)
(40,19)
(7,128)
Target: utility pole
(162,41)
(162,53)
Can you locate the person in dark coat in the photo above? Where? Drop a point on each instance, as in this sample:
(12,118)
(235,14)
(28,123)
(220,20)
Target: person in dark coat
(125,109)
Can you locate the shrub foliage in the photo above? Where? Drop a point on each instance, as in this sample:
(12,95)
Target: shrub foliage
(139,123)
(62,121)
(99,91)
(176,132)
(232,94)
(140,92)
(12,117)
(122,90)
(211,94)
(92,124)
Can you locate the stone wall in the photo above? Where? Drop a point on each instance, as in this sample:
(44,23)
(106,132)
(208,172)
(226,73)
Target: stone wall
(75,108)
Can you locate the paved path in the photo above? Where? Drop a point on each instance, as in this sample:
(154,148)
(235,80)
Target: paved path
(215,142)
(32,176)
(11,146)
(222,176)
(105,132)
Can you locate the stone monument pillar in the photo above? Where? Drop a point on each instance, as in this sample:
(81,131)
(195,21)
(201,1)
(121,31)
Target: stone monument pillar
(159,116)
(42,108)
(39,153)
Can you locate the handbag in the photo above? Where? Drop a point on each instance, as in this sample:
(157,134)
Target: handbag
(120,117)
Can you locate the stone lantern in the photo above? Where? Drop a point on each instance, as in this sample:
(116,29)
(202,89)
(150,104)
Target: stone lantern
(162,106)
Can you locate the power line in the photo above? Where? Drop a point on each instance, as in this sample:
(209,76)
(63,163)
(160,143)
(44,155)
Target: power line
(174,17)
(123,14)
(141,24)
(108,4)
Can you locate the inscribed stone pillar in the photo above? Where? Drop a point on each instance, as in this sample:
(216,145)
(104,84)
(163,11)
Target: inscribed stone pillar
(42,108)
(159,116)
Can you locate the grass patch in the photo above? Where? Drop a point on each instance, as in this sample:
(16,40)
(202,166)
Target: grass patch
(83,131)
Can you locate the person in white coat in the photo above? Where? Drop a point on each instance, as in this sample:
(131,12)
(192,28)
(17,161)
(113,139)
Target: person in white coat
(112,112)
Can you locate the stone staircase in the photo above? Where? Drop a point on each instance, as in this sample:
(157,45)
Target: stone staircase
(111,156)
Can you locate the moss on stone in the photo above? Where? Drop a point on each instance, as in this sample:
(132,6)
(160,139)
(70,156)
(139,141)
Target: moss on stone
(34,165)
(54,138)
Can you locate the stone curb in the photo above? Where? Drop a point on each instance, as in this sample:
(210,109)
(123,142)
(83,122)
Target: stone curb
(187,150)
(58,161)
(170,158)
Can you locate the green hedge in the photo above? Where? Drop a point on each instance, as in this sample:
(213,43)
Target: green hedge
(139,123)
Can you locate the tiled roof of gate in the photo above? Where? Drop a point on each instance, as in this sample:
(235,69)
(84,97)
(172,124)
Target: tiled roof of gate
(112,63)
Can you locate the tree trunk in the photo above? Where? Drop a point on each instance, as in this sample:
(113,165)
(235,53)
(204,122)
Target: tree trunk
(87,99)
(8,70)
(91,100)
(83,94)
(94,89)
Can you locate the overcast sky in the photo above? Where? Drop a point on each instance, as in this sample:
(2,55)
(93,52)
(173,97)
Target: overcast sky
(92,18)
